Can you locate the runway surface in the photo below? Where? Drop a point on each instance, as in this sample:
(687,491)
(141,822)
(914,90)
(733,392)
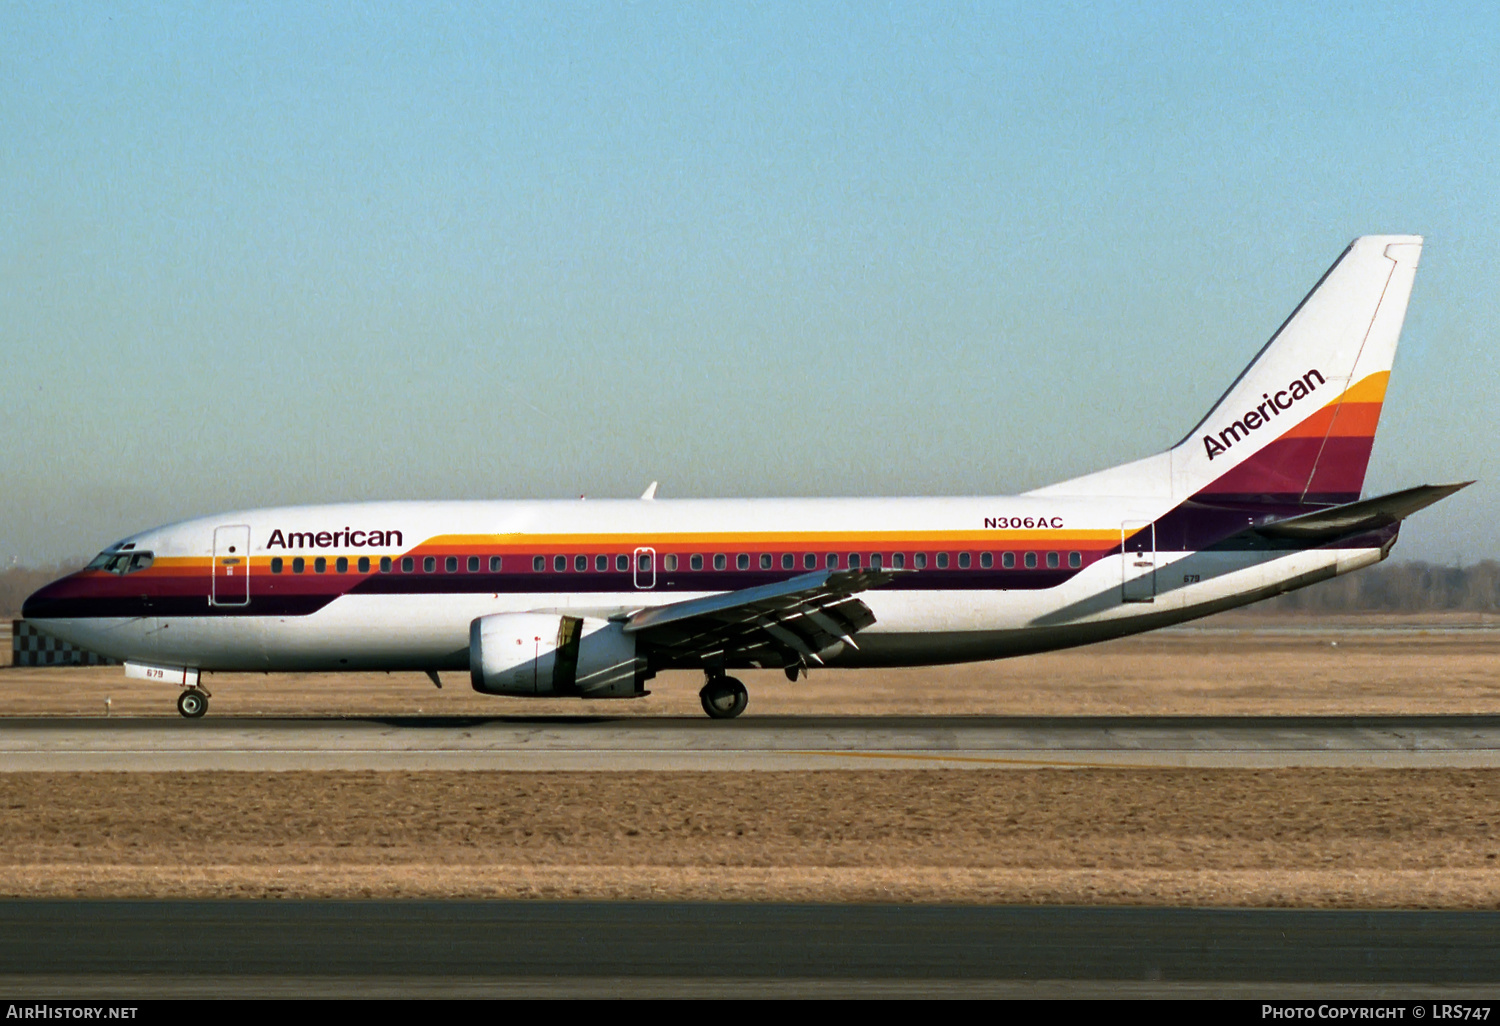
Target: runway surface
(753,743)
(375,948)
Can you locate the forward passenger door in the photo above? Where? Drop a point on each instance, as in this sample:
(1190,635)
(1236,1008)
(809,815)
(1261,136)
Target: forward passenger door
(231,582)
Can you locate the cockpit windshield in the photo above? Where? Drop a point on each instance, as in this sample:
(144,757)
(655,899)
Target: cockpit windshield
(121,562)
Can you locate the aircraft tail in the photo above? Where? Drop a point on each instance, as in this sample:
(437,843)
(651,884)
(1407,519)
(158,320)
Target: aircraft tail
(1297,426)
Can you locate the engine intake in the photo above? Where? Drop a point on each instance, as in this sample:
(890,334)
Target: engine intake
(552,654)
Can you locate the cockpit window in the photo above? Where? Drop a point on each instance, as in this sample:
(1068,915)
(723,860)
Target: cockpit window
(121,562)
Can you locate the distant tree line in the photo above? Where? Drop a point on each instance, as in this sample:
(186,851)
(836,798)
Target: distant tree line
(1399,588)
(20,581)
(1387,588)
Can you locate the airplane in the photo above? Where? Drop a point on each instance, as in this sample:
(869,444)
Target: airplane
(592,599)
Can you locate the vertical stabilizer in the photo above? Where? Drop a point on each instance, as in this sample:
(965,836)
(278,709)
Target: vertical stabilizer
(1298,424)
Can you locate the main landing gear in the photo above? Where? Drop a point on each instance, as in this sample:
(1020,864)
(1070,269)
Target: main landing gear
(192,703)
(723,697)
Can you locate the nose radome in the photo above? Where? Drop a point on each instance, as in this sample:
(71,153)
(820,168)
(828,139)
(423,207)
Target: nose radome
(40,604)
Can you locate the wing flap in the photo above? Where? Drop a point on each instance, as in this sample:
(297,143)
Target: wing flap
(780,624)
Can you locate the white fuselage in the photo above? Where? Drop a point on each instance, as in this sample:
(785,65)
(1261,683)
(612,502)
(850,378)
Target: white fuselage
(1081,586)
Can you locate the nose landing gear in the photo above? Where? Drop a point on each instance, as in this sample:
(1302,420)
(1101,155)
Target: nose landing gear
(723,697)
(192,703)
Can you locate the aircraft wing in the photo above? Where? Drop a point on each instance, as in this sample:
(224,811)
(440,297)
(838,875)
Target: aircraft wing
(786,623)
(1365,515)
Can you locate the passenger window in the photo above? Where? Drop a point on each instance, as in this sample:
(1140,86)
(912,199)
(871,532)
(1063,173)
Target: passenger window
(942,560)
(580,563)
(919,561)
(450,565)
(559,563)
(539,563)
(832,562)
(385,564)
(963,561)
(364,564)
(495,564)
(298,564)
(1031,560)
(854,561)
(788,561)
(1075,560)
(898,561)
(601,563)
(695,562)
(473,564)
(429,564)
(406,564)
(1051,561)
(875,562)
(720,562)
(1008,560)
(275,564)
(320,564)
(622,563)
(341,564)
(809,562)
(986,559)
(742,561)
(765,561)
(670,562)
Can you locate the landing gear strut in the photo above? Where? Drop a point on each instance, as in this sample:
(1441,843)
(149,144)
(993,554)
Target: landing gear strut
(724,698)
(192,703)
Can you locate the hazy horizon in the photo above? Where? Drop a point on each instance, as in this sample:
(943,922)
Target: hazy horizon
(282,253)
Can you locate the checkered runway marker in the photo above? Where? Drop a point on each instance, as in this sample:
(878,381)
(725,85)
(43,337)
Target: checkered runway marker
(30,647)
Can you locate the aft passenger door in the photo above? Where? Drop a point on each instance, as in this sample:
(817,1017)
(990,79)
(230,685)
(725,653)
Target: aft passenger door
(231,586)
(1138,554)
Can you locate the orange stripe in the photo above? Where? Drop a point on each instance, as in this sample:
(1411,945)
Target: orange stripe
(1356,420)
(1349,419)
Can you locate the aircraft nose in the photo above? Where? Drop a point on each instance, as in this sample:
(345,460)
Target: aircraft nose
(44,603)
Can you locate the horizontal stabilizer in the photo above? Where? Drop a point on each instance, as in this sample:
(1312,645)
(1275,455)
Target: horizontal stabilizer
(1366,515)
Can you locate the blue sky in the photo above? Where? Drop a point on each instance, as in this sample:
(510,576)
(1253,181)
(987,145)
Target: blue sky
(264,253)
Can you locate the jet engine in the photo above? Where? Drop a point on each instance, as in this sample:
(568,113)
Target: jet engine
(552,654)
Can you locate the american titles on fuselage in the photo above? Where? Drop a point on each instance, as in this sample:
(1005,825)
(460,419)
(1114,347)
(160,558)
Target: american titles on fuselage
(1257,418)
(345,539)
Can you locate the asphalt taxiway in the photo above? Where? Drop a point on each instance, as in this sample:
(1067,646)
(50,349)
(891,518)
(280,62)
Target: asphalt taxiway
(543,948)
(753,743)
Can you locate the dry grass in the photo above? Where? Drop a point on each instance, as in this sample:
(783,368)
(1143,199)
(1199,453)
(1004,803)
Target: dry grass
(1287,837)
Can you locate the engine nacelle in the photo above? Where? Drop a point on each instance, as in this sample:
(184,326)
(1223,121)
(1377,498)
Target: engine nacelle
(553,654)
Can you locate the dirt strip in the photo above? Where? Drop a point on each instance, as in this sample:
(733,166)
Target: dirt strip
(1312,838)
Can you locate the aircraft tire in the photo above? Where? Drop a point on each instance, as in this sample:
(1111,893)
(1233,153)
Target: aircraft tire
(724,698)
(192,703)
